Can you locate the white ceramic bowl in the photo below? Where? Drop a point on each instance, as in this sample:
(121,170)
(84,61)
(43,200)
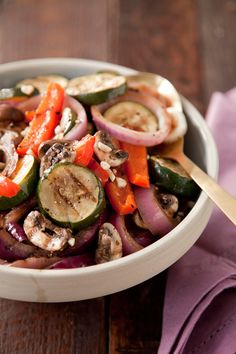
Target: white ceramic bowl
(103,279)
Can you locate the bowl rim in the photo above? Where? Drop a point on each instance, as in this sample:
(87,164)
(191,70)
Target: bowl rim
(212,163)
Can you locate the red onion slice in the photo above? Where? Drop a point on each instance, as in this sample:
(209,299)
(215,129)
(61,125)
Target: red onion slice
(16,231)
(83,241)
(83,260)
(167,94)
(30,104)
(129,244)
(20,210)
(151,212)
(85,238)
(80,128)
(144,238)
(129,135)
(12,250)
(34,262)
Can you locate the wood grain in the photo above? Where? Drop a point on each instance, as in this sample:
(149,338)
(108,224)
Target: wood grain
(218,21)
(77,327)
(35,29)
(136,317)
(163,37)
(192,43)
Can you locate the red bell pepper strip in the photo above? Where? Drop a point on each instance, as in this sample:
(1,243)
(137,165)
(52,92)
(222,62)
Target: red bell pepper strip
(84,150)
(136,165)
(29,115)
(121,199)
(52,100)
(8,188)
(98,171)
(46,118)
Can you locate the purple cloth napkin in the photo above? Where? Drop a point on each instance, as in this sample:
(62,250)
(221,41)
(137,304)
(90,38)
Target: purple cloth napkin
(200,301)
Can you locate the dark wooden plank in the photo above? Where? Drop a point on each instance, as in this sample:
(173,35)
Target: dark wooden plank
(113,30)
(76,327)
(33,29)
(218,20)
(136,317)
(161,37)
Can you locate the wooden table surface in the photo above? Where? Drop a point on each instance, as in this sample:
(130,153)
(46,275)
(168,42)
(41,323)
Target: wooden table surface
(191,42)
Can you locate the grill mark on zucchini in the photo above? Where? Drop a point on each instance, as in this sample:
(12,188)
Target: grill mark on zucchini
(71,195)
(82,186)
(60,189)
(132,115)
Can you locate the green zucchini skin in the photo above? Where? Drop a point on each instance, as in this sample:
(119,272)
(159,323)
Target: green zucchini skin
(81,224)
(41,82)
(8,203)
(112,72)
(28,185)
(102,96)
(96,96)
(178,183)
(9,93)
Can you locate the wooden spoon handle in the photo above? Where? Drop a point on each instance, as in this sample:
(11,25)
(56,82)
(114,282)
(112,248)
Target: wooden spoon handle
(221,198)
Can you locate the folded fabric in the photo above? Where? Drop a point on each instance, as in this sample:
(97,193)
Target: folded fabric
(200,302)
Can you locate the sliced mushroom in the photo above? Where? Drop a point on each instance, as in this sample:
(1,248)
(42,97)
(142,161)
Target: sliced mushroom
(58,152)
(109,244)
(106,149)
(7,147)
(138,220)
(12,119)
(169,204)
(9,113)
(46,145)
(44,234)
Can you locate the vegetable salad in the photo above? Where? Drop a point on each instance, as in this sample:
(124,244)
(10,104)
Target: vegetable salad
(81,180)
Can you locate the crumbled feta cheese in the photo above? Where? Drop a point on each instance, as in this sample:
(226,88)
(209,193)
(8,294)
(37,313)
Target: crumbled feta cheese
(104,147)
(58,130)
(27,89)
(59,136)
(105,165)
(24,132)
(111,175)
(121,182)
(72,91)
(71,241)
